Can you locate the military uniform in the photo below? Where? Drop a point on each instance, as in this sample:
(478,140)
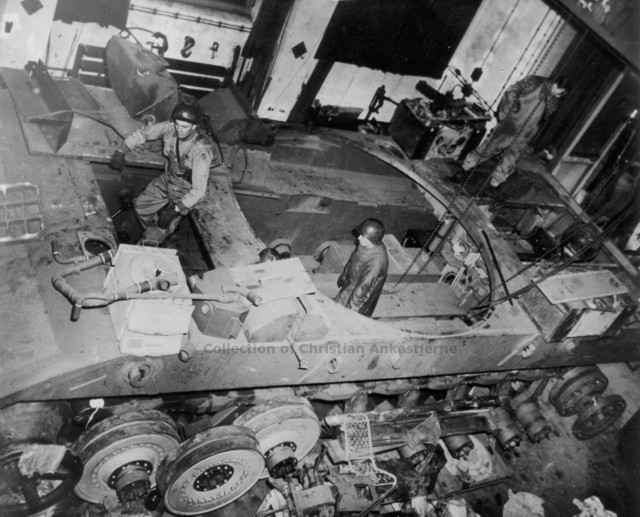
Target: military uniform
(520,112)
(363,278)
(184,181)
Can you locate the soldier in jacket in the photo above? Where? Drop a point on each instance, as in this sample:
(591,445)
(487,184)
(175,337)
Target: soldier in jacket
(363,277)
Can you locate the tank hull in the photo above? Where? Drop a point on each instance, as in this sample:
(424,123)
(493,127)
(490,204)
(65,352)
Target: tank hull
(87,362)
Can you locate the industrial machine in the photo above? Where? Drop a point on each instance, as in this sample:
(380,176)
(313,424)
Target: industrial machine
(137,384)
(438,126)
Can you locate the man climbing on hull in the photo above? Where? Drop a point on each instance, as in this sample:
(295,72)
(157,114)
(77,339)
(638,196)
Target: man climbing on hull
(190,154)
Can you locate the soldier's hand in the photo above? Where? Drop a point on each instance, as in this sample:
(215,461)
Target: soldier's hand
(117,161)
(167,214)
(340,281)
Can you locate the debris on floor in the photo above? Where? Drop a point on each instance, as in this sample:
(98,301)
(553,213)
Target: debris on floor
(592,507)
(523,504)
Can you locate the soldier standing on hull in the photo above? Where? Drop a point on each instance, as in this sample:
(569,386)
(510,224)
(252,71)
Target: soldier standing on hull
(522,109)
(169,197)
(363,277)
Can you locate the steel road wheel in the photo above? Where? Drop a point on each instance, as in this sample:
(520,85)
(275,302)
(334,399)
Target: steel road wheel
(578,383)
(210,470)
(598,417)
(138,439)
(286,421)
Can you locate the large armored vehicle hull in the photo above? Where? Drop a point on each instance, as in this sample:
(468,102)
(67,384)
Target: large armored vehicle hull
(426,324)
(238,349)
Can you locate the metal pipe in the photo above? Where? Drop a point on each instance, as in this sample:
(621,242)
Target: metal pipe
(198,19)
(252,296)
(96,299)
(445,225)
(57,255)
(73,295)
(178,296)
(141,290)
(497,265)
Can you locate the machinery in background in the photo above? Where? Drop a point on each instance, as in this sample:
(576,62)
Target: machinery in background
(438,126)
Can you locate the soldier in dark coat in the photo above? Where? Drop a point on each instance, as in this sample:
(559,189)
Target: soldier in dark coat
(363,277)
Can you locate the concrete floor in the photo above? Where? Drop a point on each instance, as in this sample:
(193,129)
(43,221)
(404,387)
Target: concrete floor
(562,468)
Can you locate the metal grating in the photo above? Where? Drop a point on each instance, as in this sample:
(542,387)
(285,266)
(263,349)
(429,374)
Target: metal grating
(359,449)
(20,216)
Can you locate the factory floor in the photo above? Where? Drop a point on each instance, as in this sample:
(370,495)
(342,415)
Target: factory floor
(562,468)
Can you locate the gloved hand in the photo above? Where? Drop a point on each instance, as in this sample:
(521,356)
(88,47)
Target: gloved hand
(340,281)
(117,160)
(167,214)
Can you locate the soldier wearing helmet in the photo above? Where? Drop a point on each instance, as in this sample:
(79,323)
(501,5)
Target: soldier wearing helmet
(190,153)
(364,276)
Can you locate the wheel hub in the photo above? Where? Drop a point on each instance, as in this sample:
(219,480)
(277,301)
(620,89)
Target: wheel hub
(125,470)
(507,434)
(459,446)
(213,478)
(281,460)
(530,418)
(131,480)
